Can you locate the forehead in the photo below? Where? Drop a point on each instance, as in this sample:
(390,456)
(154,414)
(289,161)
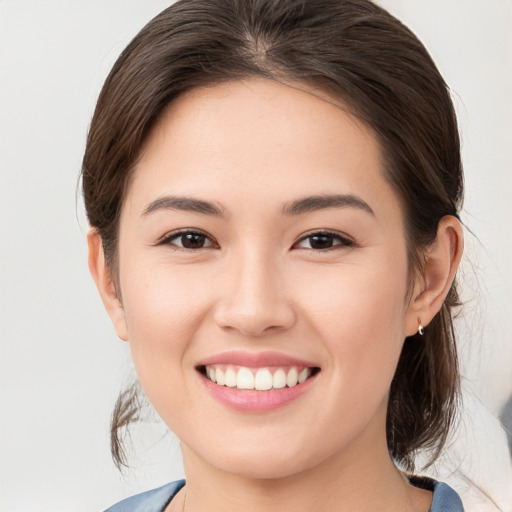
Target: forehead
(263,137)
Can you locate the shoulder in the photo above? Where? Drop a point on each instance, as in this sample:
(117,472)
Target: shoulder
(150,501)
(444,499)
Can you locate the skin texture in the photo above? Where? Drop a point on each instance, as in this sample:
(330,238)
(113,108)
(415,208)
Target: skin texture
(250,148)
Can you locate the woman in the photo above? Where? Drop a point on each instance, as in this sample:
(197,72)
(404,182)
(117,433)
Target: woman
(273,190)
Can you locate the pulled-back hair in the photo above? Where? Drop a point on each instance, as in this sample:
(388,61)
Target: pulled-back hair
(352,49)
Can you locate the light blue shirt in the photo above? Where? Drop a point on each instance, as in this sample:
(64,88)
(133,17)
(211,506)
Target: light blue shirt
(445,499)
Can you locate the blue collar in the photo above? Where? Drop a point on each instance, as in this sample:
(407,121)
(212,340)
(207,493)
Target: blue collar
(445,498)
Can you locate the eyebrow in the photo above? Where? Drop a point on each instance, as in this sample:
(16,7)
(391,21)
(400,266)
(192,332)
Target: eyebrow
(187,204)
(298,207)
(321,202)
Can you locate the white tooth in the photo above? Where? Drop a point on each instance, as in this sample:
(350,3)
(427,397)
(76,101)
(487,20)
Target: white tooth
(303,375)
(292,377)
(211,374)
(245,379)
(263,380)
(219,377)
(279,379)
(230,377)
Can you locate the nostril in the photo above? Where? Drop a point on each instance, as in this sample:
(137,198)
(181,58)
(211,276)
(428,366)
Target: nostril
(255,323)
(255,310)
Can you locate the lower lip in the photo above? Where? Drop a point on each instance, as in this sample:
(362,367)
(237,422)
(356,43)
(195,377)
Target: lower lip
(249,400)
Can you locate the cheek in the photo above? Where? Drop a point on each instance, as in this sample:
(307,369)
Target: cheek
(362,322)
(163,309)
(157,310)
(364,302)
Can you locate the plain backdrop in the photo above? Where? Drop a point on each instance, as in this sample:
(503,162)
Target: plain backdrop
(61,365)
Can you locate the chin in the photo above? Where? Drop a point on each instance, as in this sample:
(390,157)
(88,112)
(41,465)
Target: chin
(263,469)
(263,462)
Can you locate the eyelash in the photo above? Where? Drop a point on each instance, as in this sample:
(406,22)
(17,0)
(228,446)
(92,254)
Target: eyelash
(344,241)
(167,240)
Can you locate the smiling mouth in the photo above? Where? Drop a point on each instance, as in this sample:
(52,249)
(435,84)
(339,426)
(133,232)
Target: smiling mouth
(259,379)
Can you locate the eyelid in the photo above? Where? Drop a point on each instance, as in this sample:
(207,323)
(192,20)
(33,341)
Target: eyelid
(345,239)
(168,237)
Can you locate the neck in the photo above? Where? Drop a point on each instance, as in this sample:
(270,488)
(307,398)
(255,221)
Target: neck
(353,480)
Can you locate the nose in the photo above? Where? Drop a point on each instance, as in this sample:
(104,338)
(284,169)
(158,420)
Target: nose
(254,301)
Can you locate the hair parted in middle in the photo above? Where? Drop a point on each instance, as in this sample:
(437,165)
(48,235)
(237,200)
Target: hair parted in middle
(353,50)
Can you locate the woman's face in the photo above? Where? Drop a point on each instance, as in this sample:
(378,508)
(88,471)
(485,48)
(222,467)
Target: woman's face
(260,244)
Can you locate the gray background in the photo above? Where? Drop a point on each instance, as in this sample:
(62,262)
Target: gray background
(61,365)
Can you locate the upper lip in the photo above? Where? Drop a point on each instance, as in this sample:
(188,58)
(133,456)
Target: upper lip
(255,359)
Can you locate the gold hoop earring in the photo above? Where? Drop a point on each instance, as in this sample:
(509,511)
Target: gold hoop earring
(421,331)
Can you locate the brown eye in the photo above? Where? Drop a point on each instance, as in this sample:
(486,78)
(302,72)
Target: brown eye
(323,241)
(193,240)
(188,240)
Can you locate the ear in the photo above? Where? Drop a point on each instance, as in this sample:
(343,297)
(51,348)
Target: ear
(442,259)
(103,279)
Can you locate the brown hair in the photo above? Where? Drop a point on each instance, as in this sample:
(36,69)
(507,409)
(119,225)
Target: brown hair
(352,49)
